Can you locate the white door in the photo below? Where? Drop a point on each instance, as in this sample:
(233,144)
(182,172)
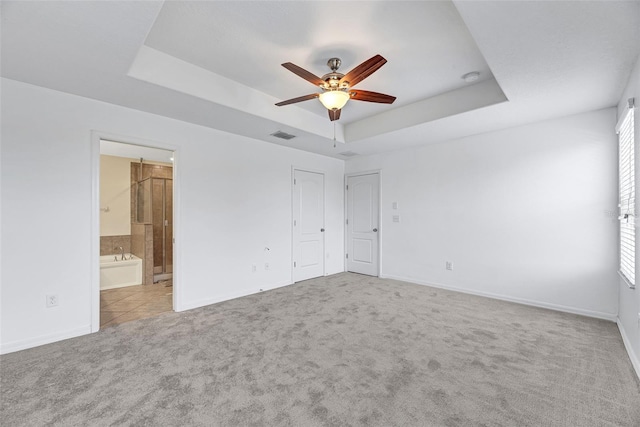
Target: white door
(363,223)
(308,225)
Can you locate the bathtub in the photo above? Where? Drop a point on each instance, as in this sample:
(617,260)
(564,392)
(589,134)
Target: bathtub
(118,274)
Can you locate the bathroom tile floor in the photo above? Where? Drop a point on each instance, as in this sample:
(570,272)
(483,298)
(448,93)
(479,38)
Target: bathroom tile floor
(134,302)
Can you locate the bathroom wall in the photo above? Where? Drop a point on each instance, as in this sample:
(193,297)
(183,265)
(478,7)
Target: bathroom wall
(117,175)
(115,205)
(115,196)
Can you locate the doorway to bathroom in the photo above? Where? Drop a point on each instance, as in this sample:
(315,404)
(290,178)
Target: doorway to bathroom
(136,222)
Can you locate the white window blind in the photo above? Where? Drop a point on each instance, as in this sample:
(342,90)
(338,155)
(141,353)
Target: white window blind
(627,196)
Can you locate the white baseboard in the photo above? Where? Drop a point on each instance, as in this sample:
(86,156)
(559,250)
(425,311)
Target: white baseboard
(589,313)
(226,297)
(14,346)
(11,347)
(627,345)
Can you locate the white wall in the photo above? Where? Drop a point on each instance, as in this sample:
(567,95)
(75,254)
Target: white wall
(522,213)
(235,199)
(115,194)
(629,299)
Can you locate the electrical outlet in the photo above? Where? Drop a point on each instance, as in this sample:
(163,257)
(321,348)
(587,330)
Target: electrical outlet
(253,268)
(449,265)
(266,265)
(52,300)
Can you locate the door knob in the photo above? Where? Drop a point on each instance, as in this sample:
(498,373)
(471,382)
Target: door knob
(375,230)
(322,230)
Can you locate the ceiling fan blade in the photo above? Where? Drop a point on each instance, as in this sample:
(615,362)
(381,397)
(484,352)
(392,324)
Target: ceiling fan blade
(363,70)
(334,114)
(365,95)
(310,77)
(298,99)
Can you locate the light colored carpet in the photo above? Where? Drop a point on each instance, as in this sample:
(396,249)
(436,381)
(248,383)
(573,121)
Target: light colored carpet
(345,350)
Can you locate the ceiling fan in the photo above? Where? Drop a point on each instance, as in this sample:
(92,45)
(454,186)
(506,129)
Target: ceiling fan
(337,88)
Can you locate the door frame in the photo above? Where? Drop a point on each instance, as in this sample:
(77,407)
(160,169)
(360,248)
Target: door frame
(96,136)
(324,218)
(346,215)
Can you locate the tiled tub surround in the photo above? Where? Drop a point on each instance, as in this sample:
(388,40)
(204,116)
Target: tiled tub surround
(110,245)
(142,247)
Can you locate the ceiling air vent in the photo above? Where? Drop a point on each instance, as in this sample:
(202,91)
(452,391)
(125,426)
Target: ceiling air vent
(348,154)
(283,135)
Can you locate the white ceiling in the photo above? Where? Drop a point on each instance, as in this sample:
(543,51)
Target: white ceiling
(217,63)
(247,42)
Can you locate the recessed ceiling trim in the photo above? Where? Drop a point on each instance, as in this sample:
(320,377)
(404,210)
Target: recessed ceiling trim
(448,104)
(164,70)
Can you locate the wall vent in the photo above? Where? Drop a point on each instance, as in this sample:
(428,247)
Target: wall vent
(348,154)
(283,135)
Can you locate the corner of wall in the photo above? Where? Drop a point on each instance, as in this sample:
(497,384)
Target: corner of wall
(635,361)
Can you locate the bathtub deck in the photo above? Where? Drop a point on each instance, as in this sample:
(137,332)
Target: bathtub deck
(134,302)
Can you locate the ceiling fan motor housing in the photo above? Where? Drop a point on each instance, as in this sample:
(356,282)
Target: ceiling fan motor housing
(332,79)
(332,82)
(334,64)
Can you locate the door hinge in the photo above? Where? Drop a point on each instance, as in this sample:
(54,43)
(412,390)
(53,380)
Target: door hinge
(294,263)
(347,186)
(347,221)
(294,223)
(347,255)
(294,181)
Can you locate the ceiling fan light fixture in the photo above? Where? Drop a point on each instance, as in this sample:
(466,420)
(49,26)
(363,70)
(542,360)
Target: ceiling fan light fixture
(334,99)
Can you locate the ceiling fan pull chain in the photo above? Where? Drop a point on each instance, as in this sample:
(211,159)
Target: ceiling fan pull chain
(334,134)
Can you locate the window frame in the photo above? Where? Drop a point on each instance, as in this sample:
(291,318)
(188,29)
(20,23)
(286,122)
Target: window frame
(626,196)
